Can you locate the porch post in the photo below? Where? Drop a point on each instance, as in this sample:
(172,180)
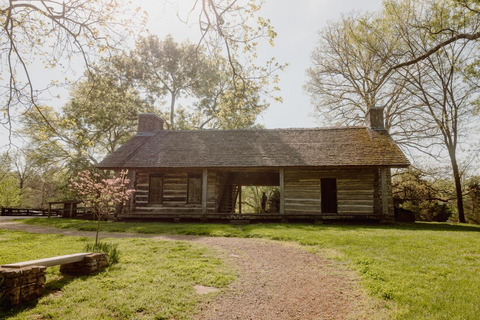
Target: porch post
(282,191)
(384,195)
(204,190)
(240,199)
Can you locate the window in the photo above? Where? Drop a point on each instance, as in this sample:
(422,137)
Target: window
(155,189)
(329,195)
(194,188)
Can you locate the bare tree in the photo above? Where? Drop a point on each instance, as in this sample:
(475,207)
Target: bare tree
(446,103)
(359,64)
(445,21)
(346,78)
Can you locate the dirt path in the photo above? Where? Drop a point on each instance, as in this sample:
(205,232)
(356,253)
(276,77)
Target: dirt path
(275,280)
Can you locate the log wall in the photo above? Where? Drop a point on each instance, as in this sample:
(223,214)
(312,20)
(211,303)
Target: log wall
(358,191)
(355,191)
(175,188)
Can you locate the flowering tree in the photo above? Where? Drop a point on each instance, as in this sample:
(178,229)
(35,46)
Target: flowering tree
(101,194)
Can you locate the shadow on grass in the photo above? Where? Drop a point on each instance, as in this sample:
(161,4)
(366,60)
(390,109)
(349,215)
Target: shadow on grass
(52,288)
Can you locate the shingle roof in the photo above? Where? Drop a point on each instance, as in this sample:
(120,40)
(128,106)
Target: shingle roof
(348,146)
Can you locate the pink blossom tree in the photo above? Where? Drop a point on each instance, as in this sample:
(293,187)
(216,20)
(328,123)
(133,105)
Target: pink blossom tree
(101,195)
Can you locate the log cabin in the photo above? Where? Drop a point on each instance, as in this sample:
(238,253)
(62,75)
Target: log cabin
(321,173)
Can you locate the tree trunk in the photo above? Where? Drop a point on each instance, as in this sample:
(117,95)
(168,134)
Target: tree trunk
(172,111)
(458,186)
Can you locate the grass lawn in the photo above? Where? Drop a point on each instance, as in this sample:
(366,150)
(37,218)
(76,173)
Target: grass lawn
(422,270)
(153,280)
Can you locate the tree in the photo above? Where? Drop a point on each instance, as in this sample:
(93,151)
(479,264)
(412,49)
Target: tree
(104,109)
(101,115)
(420,191)
(56,32)
(473,187)
(447,105)
(464,27)
(101,194)
(10,193)
(429,105)
(221,104)
(5,165)
(168,67)
(437,86)
(53,32)
(348,64)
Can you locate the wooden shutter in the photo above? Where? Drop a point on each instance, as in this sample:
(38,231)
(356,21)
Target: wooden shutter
(155,189)
(194,188)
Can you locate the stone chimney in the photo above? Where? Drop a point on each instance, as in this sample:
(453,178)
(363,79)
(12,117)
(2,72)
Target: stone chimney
(149,124)
(374,119)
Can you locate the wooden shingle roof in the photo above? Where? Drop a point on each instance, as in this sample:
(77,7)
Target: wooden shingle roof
(321,147)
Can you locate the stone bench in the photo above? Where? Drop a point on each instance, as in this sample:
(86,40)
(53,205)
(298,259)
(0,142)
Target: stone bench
(24,281)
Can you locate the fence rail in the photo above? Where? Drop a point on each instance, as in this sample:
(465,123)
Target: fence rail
(27,212)
(63,212)
(65,209)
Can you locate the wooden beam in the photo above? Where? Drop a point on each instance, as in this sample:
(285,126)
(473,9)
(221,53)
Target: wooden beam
(204,190)
(48,262)
(383,186)
(282,191)
(240,200)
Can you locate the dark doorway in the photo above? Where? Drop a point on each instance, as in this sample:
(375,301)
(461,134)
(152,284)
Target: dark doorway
(329,195)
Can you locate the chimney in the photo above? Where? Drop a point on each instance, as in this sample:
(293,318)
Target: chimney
(374,119)
(149,124)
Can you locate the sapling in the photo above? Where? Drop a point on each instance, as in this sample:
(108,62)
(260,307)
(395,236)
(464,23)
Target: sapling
(100,194)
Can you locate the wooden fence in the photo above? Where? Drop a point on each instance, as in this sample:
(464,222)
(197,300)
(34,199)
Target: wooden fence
(66,209)
(25,212)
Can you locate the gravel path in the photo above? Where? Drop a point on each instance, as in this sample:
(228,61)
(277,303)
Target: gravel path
(275,280)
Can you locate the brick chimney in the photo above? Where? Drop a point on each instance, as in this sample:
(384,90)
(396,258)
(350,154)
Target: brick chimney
(149,124)
(374,119)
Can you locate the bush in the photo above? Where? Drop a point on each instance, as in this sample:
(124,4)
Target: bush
(435,212)
(429,211)
(105,247)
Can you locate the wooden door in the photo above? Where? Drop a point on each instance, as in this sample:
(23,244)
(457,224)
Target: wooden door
(329,195)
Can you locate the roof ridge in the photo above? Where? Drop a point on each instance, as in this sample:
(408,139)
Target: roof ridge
(275,129)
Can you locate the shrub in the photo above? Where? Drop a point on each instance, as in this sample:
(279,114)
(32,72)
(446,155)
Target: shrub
(435,212)
(105,247)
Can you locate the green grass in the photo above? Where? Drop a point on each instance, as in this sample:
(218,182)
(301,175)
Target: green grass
(421,271)
(153,279)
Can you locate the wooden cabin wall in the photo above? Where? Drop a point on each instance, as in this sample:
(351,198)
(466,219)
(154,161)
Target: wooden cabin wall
(391,210)
(355,191)
(212,195)
(358,191)
(174,192)
(302,192)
